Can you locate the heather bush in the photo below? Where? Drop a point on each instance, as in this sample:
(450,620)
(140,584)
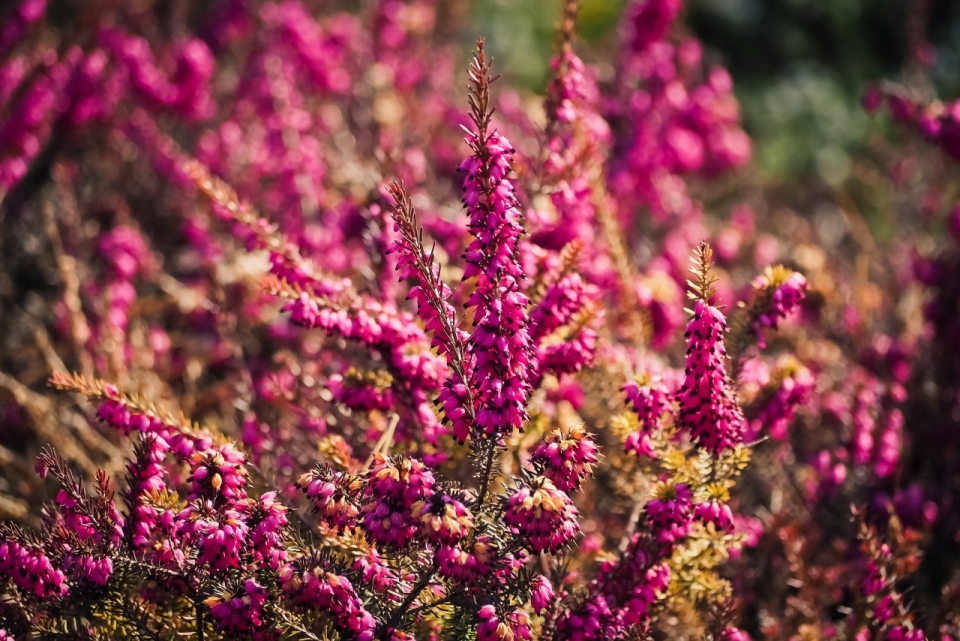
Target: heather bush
(308,333)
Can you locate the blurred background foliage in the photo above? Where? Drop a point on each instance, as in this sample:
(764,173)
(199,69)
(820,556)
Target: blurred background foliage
(799,66)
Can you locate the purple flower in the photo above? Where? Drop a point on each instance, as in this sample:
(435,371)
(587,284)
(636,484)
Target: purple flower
(543,515)
(567,456)
(236,613)
(541,595)
(30,569)
(443,518)
(650,399)
(708,405)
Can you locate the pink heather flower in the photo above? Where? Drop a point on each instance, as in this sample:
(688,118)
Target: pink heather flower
(888,448)
(375,571)
(830,473)
(357,394)
(30,569)
(543,515)
(717,513)
(567,456)
(580,134)
(125,250)
(560,302)
(116,414)
(388,523)
(267,522)
(876,580)
(333,495)
(443,519)
(187,92)
(466,561)
(790,386)
(734,634)
(619,598)
(220,538)
(559,349)
(668,513)
(489,624)
(240,612)
(80,524)
(401,478)
(515,625)
(864,425)
(88,568)
(453,401)
(500,345)
(398,340)
(872,99)
(708,405)
(146,478)
(519,625)
(899,633)
(406,266)
(779,292)
(312,588)
(560,354)
(28,123)
(218,474)
(541,595)
(884,610)
(18,21)
(649,20)
(511,565)
(649,398)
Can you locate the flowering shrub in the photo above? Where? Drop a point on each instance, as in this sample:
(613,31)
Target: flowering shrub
(413,418)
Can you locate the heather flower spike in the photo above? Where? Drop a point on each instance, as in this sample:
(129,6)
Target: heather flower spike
(500,344)
(708,407)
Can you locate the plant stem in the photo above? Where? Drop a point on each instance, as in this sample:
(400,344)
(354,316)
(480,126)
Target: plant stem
(487,471)
(199,612)
(396,617)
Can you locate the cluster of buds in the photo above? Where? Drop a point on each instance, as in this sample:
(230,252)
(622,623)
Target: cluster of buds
(778,292)
(567,457)
(650,399)
(543,515)
(334,496)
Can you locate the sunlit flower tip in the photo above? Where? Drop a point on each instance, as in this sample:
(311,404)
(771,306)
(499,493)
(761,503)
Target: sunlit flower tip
(568,456)
(443,519)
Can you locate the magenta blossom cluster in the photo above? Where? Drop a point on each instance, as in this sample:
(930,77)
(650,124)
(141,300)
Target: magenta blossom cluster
(543,515)
(500,344)
(650,399)
(621,595)
(236,613)
(567,457)
(30,569)
(310,586)
(678,123)
(779,293)
(708,407)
